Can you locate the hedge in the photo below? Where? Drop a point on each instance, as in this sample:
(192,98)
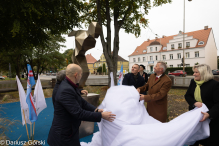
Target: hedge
(188,70)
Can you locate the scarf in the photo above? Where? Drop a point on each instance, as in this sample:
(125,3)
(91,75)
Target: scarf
(197,92)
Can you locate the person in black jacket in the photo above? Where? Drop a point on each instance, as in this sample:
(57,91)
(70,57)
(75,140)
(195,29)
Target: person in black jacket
(204,89)
(60,77)
(70,108)
(134,78)
(142,73)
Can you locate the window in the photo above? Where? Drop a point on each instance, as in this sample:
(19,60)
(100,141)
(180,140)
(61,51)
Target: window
(139,59)
(99,64)
(151,48)
(144,51)
(180,45)
(171,56)
(164,57)
(178,65)
(172,46)
(156,49)
(187,55)
(156,57)
(196,54)
(144,59)
(171,65)
(179,55)
(187,44)
(133,59)
(187,65)
(151,58)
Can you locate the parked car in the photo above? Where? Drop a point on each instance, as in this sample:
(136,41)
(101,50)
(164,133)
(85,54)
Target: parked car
(2,78)
(215,72)
(149,73)
(178,73)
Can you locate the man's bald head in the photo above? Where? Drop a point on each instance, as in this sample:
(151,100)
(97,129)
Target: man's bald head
(72,69)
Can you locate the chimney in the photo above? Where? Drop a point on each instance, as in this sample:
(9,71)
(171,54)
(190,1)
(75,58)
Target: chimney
(206,27)
(180,32)
(156,38)
(163,36)
(148,40)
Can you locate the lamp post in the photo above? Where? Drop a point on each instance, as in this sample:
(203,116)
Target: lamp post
(184,36)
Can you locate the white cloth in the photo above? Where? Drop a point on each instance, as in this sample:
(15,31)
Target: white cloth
(133,125)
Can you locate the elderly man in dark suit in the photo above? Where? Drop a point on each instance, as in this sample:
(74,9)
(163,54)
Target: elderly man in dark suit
(157,86)
(134,78)
(70,108)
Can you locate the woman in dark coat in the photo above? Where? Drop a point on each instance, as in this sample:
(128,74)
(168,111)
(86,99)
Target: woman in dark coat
(142,73)
(204,89)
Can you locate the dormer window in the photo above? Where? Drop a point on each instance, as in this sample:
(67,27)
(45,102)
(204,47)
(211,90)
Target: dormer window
(151,49)
(144,51)
(187,44)
(179,45)
(172,46)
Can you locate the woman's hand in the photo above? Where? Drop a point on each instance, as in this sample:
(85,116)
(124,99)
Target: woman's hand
(100,110)
(141,97)
(198,104)
(205,116)
(108,116)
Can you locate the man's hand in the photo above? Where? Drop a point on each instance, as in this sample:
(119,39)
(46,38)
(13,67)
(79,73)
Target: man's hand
(100,110)
(108,116)
(141,97)
(84,92)
(205,116)
(198,104)
(138,90)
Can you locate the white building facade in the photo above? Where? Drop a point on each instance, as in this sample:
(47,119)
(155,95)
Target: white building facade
(199,47)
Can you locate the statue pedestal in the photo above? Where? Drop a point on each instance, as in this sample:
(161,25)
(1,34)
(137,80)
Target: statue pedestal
(87,128)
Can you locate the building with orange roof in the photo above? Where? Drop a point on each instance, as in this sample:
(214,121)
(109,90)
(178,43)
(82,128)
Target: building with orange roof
(121,61)
(199,47)
(90,62)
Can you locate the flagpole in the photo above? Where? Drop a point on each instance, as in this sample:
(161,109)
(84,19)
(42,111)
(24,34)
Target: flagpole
(33,130)
(30,130)
(26,125)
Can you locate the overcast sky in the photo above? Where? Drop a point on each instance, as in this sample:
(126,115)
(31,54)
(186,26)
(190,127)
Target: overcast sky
(165,20)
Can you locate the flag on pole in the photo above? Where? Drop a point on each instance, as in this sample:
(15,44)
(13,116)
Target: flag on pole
(29,98)
(120,76)
(23,103)
(40,103)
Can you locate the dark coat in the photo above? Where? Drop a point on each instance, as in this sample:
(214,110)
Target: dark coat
(69,109)
(157,96)
(130,81)
(145,76)
(55,89)
(210,97)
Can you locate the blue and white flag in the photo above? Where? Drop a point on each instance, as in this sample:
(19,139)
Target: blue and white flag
(120,76)
(29,98)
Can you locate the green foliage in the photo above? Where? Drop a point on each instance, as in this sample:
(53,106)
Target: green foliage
(218,63)
(196,63)
(188,70)
(24,22)
(104,67)
(99,69)
(68,54)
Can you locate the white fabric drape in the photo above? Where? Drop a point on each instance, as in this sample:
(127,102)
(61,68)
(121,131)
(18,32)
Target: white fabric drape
(133,125)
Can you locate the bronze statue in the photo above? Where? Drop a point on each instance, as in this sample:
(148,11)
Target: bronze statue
(84,40)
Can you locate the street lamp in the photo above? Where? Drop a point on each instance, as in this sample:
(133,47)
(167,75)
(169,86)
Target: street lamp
(184,36)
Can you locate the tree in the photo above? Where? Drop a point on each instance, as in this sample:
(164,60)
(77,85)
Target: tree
(127,14)
(68,54)
(24,24)
(104,67)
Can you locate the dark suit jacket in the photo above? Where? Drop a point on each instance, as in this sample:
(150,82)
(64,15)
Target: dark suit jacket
(130,81)
(210,97)
(157,96)
(69,109)
(145,76)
